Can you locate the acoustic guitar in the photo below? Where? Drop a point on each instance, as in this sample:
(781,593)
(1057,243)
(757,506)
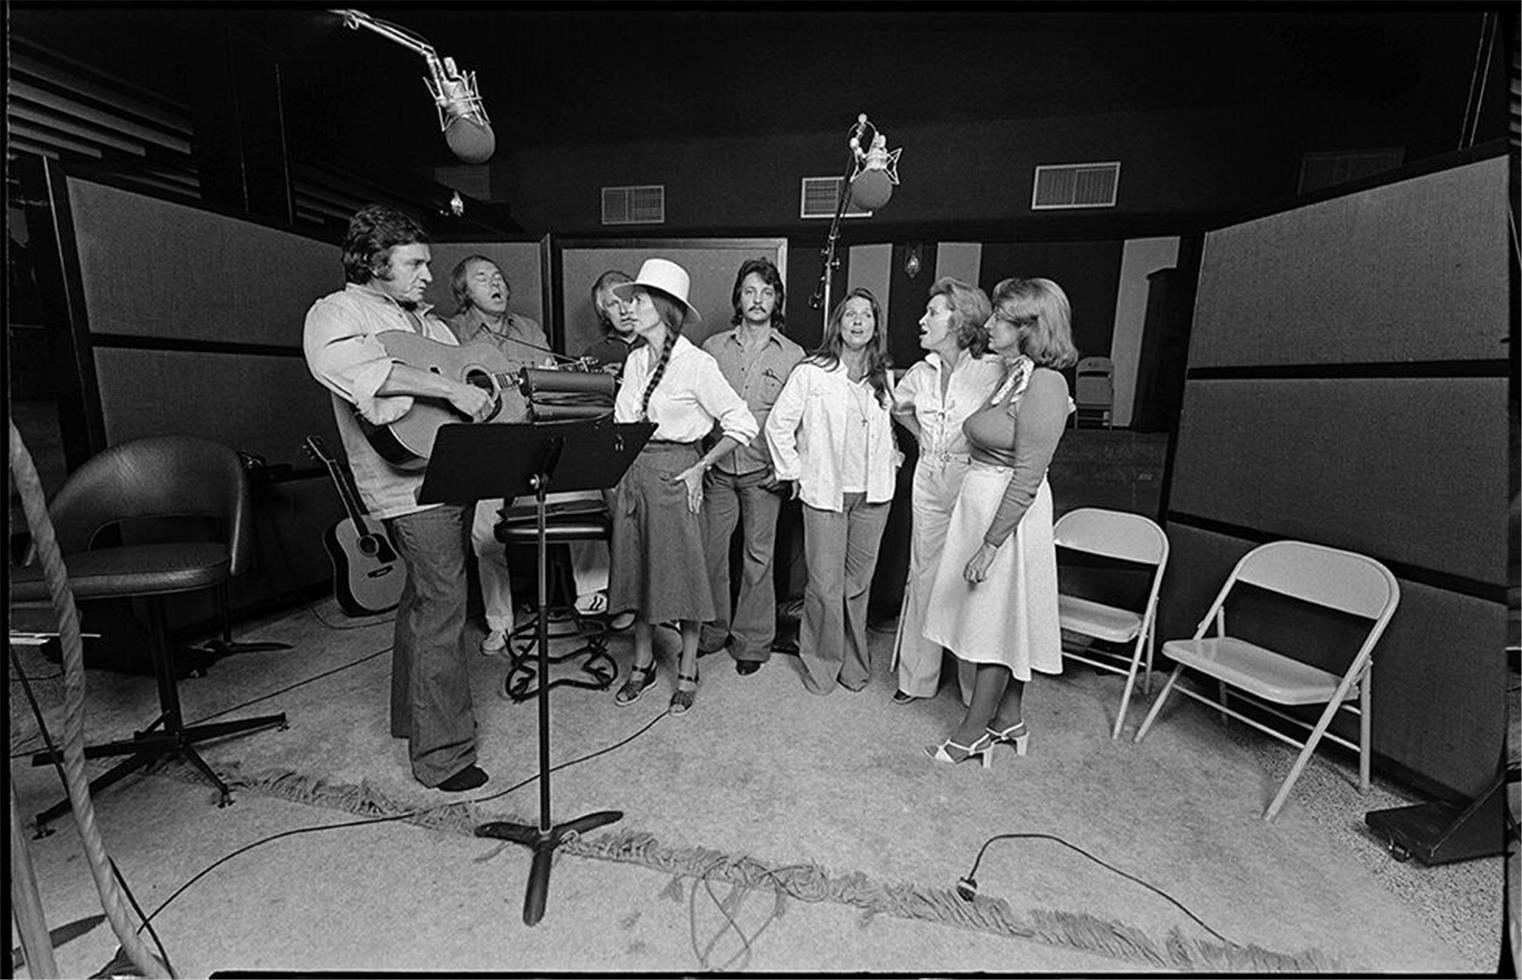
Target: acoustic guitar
(368,573)
(408,442)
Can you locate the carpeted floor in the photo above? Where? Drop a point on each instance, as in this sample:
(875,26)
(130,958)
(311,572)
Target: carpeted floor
(767,830)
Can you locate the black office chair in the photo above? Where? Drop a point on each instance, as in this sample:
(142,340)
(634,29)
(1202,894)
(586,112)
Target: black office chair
(148,479)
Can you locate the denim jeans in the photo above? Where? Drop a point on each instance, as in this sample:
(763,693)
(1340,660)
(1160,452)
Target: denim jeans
(729,500)
(430,679)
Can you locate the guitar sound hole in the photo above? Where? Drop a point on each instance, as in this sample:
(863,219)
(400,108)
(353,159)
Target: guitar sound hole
(368,546)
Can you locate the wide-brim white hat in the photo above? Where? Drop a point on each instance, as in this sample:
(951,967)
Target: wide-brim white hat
(668,277)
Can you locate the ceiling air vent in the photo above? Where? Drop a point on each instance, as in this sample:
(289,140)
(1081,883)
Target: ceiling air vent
(1318,170)
(1075,185)
(644,204)
(819,196)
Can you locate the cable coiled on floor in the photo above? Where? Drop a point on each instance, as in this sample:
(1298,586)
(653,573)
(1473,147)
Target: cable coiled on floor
(34,503)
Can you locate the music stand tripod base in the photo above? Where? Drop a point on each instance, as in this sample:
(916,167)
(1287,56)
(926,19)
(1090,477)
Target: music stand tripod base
(475,462)
(543,844)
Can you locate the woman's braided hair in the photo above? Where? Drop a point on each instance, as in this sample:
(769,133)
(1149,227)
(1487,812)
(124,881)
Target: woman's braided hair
(672,313)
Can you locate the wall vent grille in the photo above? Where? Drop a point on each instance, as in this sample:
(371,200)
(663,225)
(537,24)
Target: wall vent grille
(643,204)
(817,198)
(1318,170)
(1075,185)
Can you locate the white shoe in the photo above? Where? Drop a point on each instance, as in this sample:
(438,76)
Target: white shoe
(494,643)
(592,604)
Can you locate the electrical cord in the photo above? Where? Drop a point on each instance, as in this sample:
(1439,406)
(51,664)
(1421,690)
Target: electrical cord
(55,757)
(394,817)
(291,687)
(19,754)
(967,887)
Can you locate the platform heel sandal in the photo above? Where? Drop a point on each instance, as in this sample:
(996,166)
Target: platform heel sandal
(981,748)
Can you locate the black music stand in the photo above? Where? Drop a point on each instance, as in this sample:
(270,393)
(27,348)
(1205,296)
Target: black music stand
(476,462)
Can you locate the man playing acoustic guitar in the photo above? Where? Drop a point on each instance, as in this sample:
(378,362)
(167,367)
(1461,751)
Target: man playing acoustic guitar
(385,260)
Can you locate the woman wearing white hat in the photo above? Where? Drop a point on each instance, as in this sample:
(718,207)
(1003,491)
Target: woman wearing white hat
(659,569)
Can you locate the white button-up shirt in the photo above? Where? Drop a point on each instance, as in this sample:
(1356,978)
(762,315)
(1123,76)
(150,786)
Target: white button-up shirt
(807,433)
(690,398)
(918,393)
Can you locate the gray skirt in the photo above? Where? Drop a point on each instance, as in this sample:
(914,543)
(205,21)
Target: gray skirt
(659,570)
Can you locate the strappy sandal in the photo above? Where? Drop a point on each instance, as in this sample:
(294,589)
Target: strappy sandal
(682,700)
(1016,736)
(640,678)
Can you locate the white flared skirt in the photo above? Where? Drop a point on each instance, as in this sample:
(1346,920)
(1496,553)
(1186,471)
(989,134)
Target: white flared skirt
(1010,617)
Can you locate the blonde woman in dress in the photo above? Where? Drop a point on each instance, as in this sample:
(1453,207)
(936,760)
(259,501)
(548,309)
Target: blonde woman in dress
(994,601)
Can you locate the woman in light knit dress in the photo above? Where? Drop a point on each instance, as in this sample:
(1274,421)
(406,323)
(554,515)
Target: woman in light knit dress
(994,601)
(658,566)
(831,434)
(932,400)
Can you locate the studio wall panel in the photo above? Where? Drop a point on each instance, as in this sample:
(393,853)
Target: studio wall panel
(256,403)
(153,268)
(1406,469)
(711,263)
(1089,272)
(521,264)
(1413,270)
(1304,417)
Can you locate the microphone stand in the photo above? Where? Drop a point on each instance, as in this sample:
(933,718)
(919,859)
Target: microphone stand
(821,298)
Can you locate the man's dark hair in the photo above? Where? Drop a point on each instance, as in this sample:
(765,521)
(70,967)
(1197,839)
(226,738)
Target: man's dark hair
(374,231)
(767,270)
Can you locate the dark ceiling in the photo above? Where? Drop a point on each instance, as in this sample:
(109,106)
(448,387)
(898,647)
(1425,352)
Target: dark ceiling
(554,76)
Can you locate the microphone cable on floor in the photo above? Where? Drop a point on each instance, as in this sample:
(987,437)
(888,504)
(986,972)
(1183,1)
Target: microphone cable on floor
(291,687)
(394,817)
(967,886)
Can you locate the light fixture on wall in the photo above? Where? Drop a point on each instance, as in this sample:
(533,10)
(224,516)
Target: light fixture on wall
(912,261)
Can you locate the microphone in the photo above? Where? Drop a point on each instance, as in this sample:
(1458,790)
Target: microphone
(462,115)
(876,168)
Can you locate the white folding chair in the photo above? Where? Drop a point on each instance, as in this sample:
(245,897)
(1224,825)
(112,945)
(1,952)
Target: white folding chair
(1094,391)
(1313,573)
(1128,537)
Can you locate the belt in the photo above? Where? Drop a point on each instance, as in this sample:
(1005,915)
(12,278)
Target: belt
(673,443)
(944,458)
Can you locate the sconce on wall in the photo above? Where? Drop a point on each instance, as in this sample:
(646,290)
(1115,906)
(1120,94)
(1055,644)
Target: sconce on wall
(912,263)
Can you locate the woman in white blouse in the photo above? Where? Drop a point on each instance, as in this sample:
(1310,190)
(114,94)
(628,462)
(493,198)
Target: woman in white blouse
(932,400)
(657,551)
(830,432)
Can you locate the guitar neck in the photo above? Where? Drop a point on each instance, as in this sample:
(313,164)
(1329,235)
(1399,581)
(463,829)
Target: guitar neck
(347,492)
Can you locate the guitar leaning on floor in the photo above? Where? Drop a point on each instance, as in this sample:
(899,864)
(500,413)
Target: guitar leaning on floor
(368,573)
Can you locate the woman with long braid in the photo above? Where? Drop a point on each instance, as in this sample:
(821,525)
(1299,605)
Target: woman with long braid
(659,570)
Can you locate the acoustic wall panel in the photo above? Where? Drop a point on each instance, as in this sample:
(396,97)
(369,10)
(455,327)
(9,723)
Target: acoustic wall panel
(1304,417)
(1089,272)
(1413,270)
(256,403)
(870,267)
(711,263)
(1392,467)
(521,264)
(153,268)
